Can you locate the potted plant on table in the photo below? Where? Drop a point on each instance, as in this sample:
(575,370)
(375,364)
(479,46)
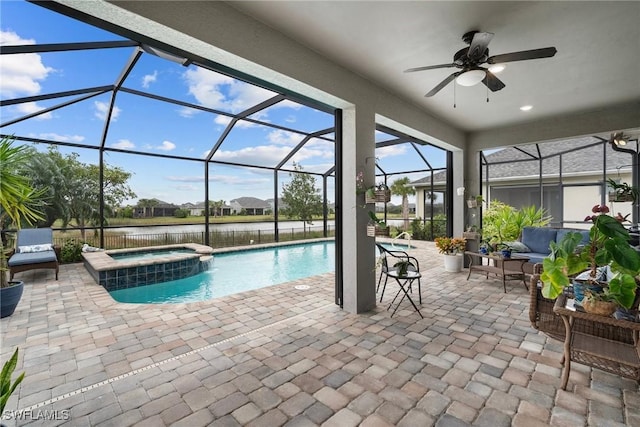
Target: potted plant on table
(18,202)
(452,249)
(608,250)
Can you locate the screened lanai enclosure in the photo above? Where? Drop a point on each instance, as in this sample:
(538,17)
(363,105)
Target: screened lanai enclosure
(566,178)
(140,143)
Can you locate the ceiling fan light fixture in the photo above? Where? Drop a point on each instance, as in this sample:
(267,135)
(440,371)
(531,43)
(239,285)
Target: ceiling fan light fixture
(496,68)
(470,78)
(526,107)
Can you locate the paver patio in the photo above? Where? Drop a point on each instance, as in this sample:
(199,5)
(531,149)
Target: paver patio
(283,356)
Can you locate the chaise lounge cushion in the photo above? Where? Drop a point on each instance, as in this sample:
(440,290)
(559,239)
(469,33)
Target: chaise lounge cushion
(32,258)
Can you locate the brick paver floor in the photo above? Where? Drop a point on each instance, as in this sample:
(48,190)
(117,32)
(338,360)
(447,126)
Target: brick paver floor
(284,356)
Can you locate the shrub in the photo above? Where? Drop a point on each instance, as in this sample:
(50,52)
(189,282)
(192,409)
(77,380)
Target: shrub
(71,251)
(181,213)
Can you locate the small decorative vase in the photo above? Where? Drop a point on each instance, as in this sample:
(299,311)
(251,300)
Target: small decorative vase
(602,308)
(506,253)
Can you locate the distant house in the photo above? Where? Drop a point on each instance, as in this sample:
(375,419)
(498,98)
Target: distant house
(281,204)
(159,209)
(249,205)
(197,209)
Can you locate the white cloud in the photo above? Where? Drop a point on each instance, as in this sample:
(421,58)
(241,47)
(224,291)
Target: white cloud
(32,107)
(221,92)
(221,179)
(225,120)
(282,137)
(166,146)
(147,79)
(21,73)
(391,150)
(266,155)
(123,144)
(62,138)
(187,112)
(102,108)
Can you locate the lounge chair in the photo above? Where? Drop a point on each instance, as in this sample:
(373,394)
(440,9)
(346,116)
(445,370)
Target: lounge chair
(34,250)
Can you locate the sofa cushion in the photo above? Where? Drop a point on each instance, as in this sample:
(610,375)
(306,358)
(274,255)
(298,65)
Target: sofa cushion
(518,247)
(538,238)
(32,258)
(563,232)
(535,257)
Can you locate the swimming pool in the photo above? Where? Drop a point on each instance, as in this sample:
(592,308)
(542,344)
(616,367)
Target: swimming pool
(238,271)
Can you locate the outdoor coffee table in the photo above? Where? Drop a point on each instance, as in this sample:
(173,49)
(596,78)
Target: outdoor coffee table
(405,283)
(506,268)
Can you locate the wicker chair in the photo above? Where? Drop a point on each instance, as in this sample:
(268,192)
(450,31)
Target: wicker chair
(30,260)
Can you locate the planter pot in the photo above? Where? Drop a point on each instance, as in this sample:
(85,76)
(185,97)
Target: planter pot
(373,231)
(472,203)
(453,263)
(506,253)
(620,197)
(378,196)
(10,297)
(602,308)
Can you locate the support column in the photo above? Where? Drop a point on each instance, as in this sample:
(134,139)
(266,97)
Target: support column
(358,155)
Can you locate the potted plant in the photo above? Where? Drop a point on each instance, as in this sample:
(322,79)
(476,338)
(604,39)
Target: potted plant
(6,386)
(18,202)
(452,249)
(402,268)
(504,249)
(376,226)
(380,193)
(622,192)
(608,248)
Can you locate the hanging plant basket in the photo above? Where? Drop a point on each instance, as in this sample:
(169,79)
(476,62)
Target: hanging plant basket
(620,197)
(373,231)
(378,196)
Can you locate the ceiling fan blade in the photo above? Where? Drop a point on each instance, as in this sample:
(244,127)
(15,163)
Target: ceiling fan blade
(545,52)
(429,67)
(479,45)
(442,84)
(492,82)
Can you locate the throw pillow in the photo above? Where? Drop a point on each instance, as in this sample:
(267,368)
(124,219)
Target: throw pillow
(35,248)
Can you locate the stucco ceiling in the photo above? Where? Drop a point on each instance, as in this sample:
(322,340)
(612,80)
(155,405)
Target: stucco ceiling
(597,64)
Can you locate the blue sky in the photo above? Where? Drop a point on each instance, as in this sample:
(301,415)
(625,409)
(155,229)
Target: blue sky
(150,126)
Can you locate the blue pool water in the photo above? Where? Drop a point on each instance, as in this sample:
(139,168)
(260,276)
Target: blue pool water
(240,271)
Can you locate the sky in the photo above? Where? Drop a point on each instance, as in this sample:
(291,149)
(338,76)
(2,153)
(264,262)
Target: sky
(150,126)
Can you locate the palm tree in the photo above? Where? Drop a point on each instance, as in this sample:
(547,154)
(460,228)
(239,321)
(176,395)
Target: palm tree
(18,200)
(400,187)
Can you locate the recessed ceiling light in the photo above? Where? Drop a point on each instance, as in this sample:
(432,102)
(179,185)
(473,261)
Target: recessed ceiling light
(526,107)
(496,68)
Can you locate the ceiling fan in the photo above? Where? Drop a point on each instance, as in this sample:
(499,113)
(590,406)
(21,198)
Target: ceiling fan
(469,59)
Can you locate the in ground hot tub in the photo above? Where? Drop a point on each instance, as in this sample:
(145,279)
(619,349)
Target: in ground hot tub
(126,268)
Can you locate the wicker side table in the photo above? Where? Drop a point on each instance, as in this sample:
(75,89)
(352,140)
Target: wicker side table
(591,349)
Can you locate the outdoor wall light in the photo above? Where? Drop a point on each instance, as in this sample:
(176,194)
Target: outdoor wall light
(470,78)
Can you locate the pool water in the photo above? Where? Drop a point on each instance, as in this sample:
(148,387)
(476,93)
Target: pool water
(241,271)
(238,271)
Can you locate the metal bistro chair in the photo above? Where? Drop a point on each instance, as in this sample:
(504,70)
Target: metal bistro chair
(389,259)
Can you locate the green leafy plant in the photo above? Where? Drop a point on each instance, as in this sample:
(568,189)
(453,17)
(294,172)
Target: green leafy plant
(71,251)
(373,219)
(503,223)
(608,245)
(6,386)
(19,201)
(450,246)
(622,191)
(402,267)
